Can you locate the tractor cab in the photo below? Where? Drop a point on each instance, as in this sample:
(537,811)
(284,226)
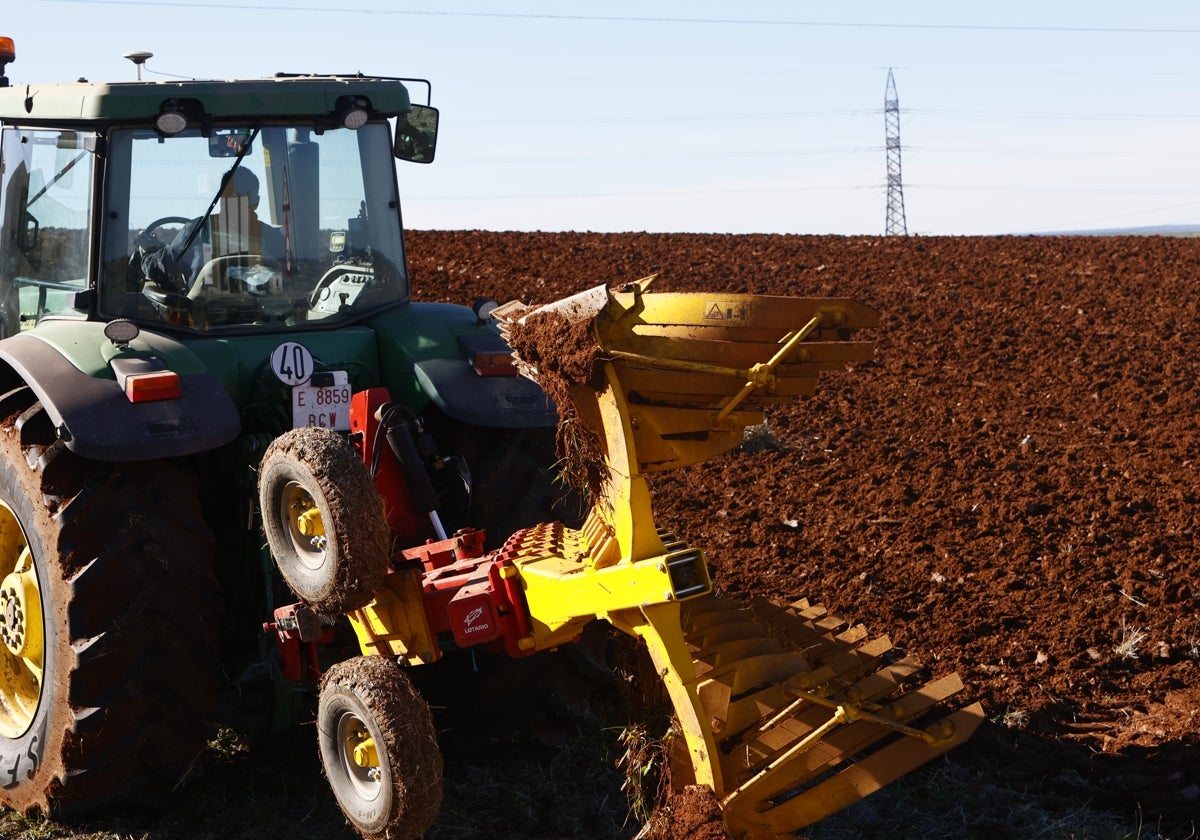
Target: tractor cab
(259,205)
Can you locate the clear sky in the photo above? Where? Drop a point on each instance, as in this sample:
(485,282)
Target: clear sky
(715,116)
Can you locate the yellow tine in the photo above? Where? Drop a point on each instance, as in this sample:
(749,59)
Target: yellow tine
(856,781)
(852,739)
(720,655)
(719,634)
(757,671)
(755,717)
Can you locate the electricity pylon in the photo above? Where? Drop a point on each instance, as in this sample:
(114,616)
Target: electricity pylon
(896,224)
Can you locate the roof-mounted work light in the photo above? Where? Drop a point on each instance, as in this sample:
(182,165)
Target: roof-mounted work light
(177,114)
(352,112)
(171,119)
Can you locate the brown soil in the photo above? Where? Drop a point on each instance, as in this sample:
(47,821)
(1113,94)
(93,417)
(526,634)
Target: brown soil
(563,352)
(696,814)
(1009,491)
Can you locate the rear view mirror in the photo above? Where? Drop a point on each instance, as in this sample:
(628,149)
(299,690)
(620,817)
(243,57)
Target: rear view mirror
(229,142)
(416,134)
(65,158)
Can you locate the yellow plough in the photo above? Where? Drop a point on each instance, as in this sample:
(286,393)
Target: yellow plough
(788,713)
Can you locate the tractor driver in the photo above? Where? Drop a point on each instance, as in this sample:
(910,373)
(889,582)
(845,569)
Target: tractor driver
(233,229)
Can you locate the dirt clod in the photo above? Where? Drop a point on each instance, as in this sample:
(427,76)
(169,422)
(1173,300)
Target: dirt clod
(566,355)
(695,814)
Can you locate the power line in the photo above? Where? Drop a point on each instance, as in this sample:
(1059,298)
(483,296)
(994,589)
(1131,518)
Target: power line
(1074,153)
(626,119)
(956,27)
(539,159)
(790,188)
(1055,115)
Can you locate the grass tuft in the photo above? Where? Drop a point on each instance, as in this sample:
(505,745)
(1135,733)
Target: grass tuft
(643,768)
(1131,640)
(760,438)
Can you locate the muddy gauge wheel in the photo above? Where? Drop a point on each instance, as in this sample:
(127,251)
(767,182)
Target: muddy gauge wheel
(323,519)
(379,749)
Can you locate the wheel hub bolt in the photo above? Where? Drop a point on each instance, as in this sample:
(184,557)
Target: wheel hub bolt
(20,613)
(12,622)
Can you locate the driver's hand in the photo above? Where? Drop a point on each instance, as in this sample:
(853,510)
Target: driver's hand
(147,242)
(164,269)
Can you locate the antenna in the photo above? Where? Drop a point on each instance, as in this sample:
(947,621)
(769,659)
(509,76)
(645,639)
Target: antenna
(896,224)
(139,57)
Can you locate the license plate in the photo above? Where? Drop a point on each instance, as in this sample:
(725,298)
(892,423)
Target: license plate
(325,406)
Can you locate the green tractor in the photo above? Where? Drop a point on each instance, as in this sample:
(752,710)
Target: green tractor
(189,269)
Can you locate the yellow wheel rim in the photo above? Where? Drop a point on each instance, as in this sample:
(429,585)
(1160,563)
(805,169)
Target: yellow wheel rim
(304,524)
(22,634)
(359,758)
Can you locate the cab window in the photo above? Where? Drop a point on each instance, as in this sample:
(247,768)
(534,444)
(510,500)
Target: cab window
(45,208)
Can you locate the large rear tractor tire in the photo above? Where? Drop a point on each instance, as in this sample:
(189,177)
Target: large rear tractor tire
(379,749)
(324,520)
(108,622)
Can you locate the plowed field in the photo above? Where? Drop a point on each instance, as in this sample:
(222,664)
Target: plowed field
(1008,491)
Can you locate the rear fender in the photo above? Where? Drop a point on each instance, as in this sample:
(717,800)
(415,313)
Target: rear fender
(426,352)
(91,414)
(507,402)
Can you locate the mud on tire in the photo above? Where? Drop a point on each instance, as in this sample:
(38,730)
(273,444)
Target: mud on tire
(379,748)
(108,651)
(324,520)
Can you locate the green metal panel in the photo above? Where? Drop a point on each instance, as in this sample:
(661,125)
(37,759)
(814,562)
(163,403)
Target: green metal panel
(240,362)
(84,345)
(413,333)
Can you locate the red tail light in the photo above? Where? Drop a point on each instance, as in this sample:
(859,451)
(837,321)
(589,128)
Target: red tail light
(149,387)
(489,355)
(145,379)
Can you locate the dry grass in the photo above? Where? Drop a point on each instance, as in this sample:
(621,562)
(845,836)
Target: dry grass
(1130,642)
(643,766)
(1013,719)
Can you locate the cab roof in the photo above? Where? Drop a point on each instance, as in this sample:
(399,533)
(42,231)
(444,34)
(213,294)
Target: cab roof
(141,101)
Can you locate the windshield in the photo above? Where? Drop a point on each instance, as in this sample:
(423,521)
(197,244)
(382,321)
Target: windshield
(247,227)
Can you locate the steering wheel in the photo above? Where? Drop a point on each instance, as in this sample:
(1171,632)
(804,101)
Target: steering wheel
(146,239)
(147,244)
(164,298)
